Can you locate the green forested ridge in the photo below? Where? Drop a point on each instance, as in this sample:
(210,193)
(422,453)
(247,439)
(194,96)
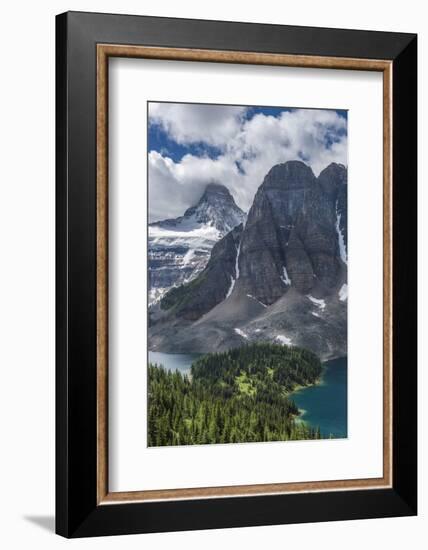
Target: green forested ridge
(178,296)
(232,397)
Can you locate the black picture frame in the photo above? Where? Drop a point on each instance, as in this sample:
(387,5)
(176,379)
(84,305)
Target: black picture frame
(77,511)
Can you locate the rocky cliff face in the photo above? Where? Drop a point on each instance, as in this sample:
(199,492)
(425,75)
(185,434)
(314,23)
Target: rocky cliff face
(333,181)
(280,277)
(180,248)
(290,237)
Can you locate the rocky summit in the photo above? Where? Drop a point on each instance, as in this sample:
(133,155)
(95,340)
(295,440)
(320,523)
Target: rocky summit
(280,277)
(180,248)
(216,208)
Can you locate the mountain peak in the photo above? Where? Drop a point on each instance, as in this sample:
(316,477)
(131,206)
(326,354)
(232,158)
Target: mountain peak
(332,178)
(217,208)
(215,187)
(215,191)
(336,169)
(291,174)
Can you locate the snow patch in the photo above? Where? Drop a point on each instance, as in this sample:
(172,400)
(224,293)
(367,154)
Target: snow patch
(192,235)
(285,279)
(205,231)
(315,314)
(156,295)
(238,250)
(284,340)
(187,258)
(241,333)
(343,293)
(255,299)
(341,240)
(232,284)
(233,280)
(319,303)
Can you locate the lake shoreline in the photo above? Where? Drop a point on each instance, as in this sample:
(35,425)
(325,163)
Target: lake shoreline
(236,397)
(324,405)
(321,404)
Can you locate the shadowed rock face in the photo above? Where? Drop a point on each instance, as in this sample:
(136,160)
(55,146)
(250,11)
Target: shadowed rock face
(290,238)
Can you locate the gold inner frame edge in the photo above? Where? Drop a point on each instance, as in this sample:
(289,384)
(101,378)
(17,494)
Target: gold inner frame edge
(104,51)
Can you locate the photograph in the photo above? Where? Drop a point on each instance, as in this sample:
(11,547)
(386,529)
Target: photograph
(247,294)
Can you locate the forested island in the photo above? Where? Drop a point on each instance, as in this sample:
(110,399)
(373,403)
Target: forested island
(237,396)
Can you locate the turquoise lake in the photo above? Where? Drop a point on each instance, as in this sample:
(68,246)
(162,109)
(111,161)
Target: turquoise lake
(174,361)
(323,405)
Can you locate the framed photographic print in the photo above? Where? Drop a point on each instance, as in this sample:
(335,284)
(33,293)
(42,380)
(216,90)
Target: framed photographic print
(236,274)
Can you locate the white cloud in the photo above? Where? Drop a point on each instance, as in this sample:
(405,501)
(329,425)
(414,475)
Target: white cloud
(249,149)
(193,123)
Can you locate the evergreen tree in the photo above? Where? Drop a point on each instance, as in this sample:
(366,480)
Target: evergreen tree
(237,396)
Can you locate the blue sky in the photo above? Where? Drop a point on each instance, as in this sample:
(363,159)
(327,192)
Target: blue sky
(160,140)
(190,145)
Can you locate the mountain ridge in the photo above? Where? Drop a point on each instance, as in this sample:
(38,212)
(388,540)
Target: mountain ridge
(287,271)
